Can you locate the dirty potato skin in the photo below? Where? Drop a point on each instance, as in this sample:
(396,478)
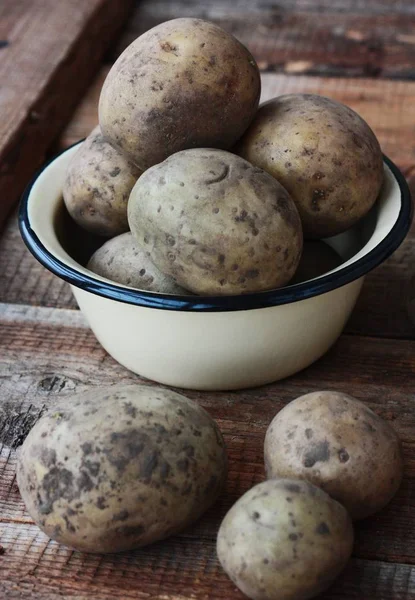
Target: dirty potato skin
(215,223)
(338,444)
(284,540)
(122,260)
(323,153)
(98,183)
(185,83)
(117,468)
(317,258)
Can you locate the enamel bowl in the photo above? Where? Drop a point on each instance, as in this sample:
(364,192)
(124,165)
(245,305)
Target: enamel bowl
(212,343)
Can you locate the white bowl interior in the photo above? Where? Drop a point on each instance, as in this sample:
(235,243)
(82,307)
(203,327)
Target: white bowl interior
(45,209)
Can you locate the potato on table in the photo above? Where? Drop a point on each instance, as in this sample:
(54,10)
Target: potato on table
(339,444)
(186,83)
(284,540)
(122,260)
(323,153)
(117,468)
(215,223)
(98,183)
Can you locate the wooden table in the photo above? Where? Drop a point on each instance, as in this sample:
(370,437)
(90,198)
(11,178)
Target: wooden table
(359,52)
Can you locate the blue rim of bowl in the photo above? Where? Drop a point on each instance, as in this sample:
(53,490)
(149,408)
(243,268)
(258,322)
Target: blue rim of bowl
(284,295)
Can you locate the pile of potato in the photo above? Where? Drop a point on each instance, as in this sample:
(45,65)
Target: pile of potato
(219,195)
(328,459)
(195,190)
(118,468)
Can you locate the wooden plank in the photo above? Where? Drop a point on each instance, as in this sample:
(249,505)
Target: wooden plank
(68,359)
(50,52)
(351,38)
(23,279)
(175,569)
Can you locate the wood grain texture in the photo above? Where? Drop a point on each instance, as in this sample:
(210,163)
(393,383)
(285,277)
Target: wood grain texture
(48,353)
(352,38)
(175,569)
(68,359)
(51,51)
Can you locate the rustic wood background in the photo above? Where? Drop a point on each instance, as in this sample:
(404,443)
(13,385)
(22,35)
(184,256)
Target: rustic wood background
(361,52)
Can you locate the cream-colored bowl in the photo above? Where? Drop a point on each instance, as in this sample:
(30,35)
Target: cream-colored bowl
(214,343)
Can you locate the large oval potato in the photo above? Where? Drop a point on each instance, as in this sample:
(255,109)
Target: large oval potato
(215,223)
(323,153)
(185,83)
(97,186)
(339,444)
(117,468)
(122,260)
(284,540)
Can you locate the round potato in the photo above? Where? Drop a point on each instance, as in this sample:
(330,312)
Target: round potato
(122,260)
(186,83)
(215,223)
(284,540)
(339,444)
(118,468)
(97,186)
(323,153)
(317,258)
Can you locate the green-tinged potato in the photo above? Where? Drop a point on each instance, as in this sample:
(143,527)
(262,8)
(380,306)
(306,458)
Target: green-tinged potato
(338,444)
(97,186)
(215,223)
(185,83)
(284,540)
(122,260)
(117,468)
(323,153)
(317,258)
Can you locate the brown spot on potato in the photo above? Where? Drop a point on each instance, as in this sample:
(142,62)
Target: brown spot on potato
(343,455)
(318,452)
(168,47)
(101,503)
(129,408)
(121,516)
(293,487)
(317,195)
(323,529)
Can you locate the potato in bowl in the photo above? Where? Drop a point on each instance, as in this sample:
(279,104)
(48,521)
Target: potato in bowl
(217,342)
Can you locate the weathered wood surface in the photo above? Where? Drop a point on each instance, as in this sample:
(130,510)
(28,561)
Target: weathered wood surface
(68,359)
(48,353)
(327,38)
(49,52)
